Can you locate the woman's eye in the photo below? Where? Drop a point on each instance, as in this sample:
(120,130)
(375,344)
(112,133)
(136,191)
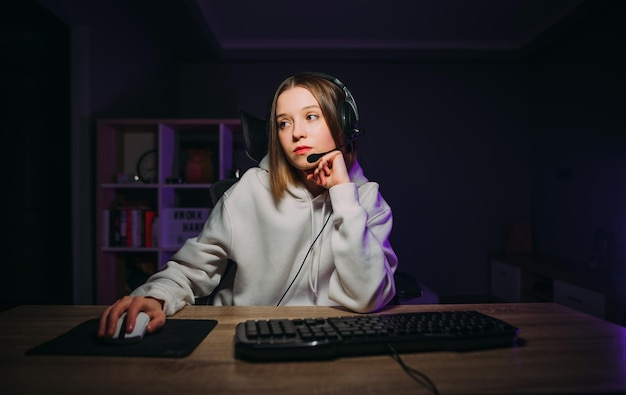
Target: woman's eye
(282,124)
(312,117)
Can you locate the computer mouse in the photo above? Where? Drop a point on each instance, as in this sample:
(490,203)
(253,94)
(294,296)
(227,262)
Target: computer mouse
(121,337)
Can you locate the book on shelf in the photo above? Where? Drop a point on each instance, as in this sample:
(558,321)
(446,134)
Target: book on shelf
(156,239)
(129,227)
(135,227)
(149,216)
(114,229)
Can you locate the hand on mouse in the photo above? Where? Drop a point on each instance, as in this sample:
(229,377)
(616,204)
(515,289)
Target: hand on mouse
(132,305)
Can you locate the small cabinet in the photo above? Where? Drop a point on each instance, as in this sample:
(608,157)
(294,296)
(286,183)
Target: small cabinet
(512,283)
(145,168)
(578,298)
(521,278)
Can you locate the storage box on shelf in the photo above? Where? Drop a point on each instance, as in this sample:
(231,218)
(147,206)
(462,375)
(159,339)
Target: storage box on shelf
(146,168)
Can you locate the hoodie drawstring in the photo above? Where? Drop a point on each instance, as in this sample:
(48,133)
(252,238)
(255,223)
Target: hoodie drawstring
(304,260)
(315,260)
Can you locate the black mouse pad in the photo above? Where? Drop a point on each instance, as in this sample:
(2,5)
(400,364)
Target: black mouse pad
(176,339)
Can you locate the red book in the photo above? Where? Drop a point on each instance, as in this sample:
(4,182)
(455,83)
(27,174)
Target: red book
(149,219)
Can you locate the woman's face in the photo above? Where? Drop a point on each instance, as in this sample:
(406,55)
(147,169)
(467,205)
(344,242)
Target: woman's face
(302,129)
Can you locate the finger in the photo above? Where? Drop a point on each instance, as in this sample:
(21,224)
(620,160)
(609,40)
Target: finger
(156,322)
(154,309)
(110,317)
(322,179)
(333,156)
(321,168)
(131,316)
(136,306)
(121,306)
(102,326)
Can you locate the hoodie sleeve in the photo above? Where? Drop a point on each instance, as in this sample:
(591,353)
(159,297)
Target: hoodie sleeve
(196,268)
(365,263)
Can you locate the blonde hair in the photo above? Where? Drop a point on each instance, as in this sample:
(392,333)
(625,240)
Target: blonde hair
(329,96)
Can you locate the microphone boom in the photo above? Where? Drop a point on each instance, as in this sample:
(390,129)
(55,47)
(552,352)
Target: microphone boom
(314,157)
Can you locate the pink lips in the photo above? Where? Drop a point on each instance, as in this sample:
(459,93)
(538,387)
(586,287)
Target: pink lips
(302,150)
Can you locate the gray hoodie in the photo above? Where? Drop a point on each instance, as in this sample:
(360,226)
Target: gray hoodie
(350,264)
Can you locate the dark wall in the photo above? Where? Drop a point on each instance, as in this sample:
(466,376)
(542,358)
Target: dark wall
(37,263)
(578,135)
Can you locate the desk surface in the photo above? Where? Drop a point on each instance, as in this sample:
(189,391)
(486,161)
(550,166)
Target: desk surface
(565,352)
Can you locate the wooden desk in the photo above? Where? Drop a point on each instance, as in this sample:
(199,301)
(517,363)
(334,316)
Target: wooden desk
(566,352)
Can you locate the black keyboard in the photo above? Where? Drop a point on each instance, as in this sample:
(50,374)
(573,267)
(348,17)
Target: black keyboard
(370,334)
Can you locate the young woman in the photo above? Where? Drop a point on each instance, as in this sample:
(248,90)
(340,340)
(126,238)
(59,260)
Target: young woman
(300,229)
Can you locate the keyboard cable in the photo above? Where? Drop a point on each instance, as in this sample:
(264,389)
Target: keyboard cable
(414,373)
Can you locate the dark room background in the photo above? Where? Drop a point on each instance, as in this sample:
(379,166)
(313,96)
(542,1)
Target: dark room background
(35,73)
(459,146)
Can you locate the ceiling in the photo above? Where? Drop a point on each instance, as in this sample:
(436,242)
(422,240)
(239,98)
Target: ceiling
(340,29)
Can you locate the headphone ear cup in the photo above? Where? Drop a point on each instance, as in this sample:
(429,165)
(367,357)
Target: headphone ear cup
(348,120)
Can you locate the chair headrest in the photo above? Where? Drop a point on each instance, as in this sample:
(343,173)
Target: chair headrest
(255,136)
